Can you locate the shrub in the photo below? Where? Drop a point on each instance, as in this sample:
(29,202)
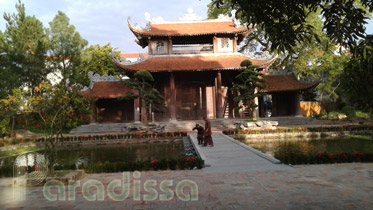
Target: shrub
(6,170)
(321,158)
(349,111)
(334,114)
(361,114)
(172,163)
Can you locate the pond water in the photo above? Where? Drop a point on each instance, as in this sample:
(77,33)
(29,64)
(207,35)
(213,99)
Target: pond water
(131,152)
(275,147)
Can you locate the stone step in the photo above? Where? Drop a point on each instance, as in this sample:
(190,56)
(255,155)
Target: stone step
(217,124)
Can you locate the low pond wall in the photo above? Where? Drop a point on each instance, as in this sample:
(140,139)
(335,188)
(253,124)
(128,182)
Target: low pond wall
(287,135)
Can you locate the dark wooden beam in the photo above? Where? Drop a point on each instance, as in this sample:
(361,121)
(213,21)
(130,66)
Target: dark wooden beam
(172,97)
(219,97)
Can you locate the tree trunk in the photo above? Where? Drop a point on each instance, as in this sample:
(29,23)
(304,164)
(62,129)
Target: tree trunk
(144,116)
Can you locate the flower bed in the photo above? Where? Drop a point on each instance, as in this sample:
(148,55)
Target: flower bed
(99,137)
(300,129)
(295,158)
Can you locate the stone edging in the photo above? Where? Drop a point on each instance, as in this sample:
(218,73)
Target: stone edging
(303,134)
(199,153)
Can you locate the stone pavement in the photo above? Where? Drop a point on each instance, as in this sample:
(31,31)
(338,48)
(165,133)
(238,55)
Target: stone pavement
(229,155)
(329,186)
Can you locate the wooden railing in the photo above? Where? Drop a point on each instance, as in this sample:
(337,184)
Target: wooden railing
(192,49)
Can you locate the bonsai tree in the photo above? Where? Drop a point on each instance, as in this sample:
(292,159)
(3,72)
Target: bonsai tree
(146,93)
(248,83)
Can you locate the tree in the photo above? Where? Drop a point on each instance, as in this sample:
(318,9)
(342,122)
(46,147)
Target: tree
(66,47)
(58,107)
(320,59)
(24,45)
(357,76)
(248,83)
(146,93)
(283,22)
(97,59)
(10,107)
(9,79)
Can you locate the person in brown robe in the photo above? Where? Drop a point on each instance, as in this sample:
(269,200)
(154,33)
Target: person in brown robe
(200,133)
(207,139)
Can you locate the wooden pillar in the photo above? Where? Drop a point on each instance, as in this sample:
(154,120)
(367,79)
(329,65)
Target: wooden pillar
(219,97)
(172,97)
(235,43)
(215,43)
(256,110)
(150,49)
(274,105)
(261,107)
(297,110)
(169,45)
(231,103)
(236,112)
(204,102)
(136,106)
(92,116)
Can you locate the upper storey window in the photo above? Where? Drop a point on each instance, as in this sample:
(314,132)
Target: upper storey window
(225,44)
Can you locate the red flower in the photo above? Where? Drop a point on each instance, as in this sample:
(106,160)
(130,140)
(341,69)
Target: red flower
(37,126)
(65,97)
(10,98)
(37,89)
(154,161)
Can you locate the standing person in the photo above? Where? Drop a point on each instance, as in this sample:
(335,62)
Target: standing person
(199,133)
(207,139)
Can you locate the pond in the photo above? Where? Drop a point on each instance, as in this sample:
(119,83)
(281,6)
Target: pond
(283,148)
(128,153)
(121,153)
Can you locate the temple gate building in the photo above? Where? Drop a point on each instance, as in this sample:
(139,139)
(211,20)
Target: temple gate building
(194,63)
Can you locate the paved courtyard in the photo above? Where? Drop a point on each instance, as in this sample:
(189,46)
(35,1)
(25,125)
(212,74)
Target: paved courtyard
(329,186)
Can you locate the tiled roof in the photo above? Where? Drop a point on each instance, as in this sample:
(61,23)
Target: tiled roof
(187,29)
(132,55)
(191,63)
(281,83)
(107,90)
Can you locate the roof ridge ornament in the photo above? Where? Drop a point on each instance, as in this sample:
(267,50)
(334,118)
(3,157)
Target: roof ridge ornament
(236,22)
(137,26)
(232,18)
(190,15)
(100,78)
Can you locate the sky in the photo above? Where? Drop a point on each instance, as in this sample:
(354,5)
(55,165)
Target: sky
(101,22)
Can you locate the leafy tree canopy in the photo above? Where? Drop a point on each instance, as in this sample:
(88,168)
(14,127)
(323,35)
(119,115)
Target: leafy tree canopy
(320,60)
(283,22)
(23,46)
(358,75)
(66,47)
(97,59)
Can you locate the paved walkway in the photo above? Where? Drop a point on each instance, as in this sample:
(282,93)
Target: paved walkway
(233,181)
(229,155)
(329,186)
